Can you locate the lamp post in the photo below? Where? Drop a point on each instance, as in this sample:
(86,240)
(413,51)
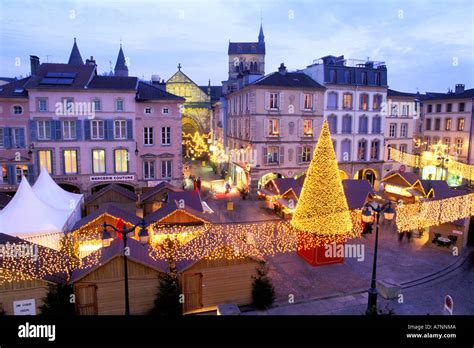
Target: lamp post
(368,217)
(106,240)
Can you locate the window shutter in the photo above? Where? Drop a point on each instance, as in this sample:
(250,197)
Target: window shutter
(56,130)
(109,129)
(282,155)
(265,156)
(33,130)
(300,128)
(7,137)
(315,100)
(280,129)
(301,101)
(280,101)
(53,161)
(129,129)
(266,127)
(87,129)
(300,154)
(11,174)
(61,162)
(267,100)
(21,140)
(78,129)
(31,173)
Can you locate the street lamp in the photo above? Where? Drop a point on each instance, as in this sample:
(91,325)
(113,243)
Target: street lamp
(107,239)
(368,217)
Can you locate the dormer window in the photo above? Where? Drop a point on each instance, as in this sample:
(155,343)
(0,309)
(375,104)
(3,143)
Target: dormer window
(148,110)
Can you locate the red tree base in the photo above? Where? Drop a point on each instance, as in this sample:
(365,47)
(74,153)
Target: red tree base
(316,255)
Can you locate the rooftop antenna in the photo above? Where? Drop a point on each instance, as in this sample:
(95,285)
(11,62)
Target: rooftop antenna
(110,64)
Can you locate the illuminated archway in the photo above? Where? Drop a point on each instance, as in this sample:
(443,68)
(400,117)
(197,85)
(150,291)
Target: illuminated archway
(343,175)
(368,174)
(191,125)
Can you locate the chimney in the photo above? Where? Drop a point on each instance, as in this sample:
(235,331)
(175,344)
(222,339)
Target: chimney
(90,61)
(282,69)
(34,63)
(459,88)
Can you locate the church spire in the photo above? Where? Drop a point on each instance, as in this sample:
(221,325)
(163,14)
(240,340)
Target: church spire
(261,37)
(121,68)
(75,57)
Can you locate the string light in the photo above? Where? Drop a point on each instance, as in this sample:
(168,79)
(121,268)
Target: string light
(322,209)
(196,144)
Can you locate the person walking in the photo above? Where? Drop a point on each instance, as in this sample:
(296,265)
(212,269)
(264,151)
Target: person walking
(198,181)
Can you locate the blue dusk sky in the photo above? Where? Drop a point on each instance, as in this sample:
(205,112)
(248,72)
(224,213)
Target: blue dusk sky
(427,45)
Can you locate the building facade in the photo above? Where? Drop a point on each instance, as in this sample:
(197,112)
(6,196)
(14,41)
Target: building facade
(271,127)
(353,105)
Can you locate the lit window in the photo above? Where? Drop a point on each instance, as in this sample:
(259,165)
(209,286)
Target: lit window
(448,124)
(459,146)
(148,136)
(308,102)
(44,129)
(377,104)
(70,161)
(364,102)
(21,169)
(121,160)
(374,150)
(148,170)
(347,101)
(120,129)
(447,142)
(97,129)
(308,128)
(460,124)
(69,129)
(98,161)
(45,160)
(273,127)
(361,150)
(165,135)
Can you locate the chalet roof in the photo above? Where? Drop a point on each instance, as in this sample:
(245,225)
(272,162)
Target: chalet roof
(191,199)
(147,91)
(357,192)
(138,253)
(283,185)
(112,187)
(409,177)
(172,207)
(109,209)
(36,268)
(155,189)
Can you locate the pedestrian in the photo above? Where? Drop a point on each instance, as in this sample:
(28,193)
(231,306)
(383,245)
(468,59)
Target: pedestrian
(409,235)
(400,236)
(195,185)
(198,181)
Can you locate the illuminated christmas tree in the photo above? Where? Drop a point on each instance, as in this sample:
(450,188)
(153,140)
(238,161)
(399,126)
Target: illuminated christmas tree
(322,210)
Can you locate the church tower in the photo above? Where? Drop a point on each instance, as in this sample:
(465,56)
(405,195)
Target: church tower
(121,68)
(75,57)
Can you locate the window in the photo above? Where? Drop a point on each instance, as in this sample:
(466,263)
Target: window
(273,100)
(119,105)
(403,148)
(17,110)
(374,150)
(44,129)
(447,142)
(461,107)
(430,108)
(97,129)
(332,76)
(272,154)
(363,125)
(165,135)
(120,129)
(166,169)
(448,124)
(347,76)
(394,110)
(308,128)
(389,150)
(405,110)
(305,154)
(18,137)
(428,124)
(449,107)
(364,102)
(2,137)
(347,101)
(332,101)
(435,140)
(45,160)
(148,170)
(20,170)
(42,105)
(332,120)
(460,124)
(346,150)
(148,136)
(377,104)
(148,110)
(427,142)
(437,124)
(459,145)
(68,104)
(347,124)
(438,107)
(165,111)
(378,80)
(361,150)
(364,77)
(98,161)
(97,105)
(403,130)
(376,125)
(70,161)
(392,130)
(308,102)
(273,127)
(69,129)
(121,160)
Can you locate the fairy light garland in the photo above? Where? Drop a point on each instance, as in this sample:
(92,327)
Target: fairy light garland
(196,144)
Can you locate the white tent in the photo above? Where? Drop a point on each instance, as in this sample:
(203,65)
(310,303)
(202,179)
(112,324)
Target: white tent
(52,194)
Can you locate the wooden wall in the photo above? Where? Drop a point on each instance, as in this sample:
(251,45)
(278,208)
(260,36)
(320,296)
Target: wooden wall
(109,283)
(222,281)
(154,202)
(22,290)
(179,217)
(114,197)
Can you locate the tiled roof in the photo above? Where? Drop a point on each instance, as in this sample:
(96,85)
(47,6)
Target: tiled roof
(112,187)
(155,189)
(83,75)
(113,82)
(410,177)
(467,94)
(289,79)
(138,253)
(285,184)
(109,209)
(147,91)
(356,192)
(8,90)
(36,268)
(394,93)
(246,48)
(216,92)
